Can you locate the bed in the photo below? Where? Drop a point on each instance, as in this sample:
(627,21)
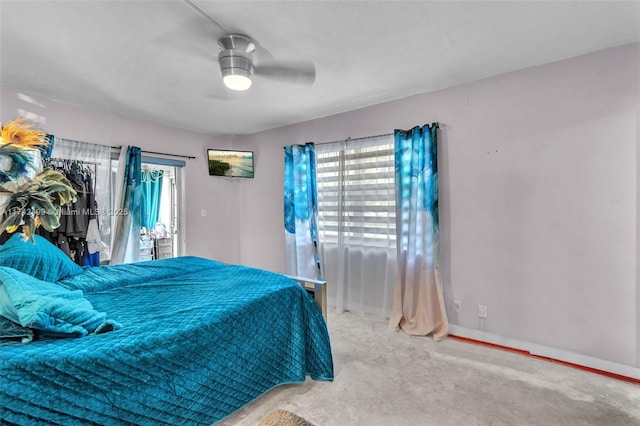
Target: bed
(175,341)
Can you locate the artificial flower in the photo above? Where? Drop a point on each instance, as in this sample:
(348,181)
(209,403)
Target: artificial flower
(22,134)
(37,203)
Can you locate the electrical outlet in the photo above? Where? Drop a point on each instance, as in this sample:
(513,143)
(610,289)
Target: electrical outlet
(482,311)
(457,305)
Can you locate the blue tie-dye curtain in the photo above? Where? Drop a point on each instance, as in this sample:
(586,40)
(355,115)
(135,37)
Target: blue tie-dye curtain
(418,303)
(151,191)
(301,212)
(126,234)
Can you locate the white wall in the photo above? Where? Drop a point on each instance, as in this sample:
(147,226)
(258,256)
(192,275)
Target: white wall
(211,236)
(539,193)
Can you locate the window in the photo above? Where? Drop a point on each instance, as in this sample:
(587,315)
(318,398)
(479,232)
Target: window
(356,196)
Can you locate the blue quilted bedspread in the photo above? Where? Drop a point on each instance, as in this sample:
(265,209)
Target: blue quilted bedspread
(199,340)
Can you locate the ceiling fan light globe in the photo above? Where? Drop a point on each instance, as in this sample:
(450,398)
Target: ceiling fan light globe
(237,82)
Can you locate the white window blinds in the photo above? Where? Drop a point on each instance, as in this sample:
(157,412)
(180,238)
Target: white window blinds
(356,196)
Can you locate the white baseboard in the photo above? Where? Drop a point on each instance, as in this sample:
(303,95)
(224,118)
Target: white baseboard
(547,352)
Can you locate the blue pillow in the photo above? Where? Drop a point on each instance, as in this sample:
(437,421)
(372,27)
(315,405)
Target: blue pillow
(41,260)
(48,307)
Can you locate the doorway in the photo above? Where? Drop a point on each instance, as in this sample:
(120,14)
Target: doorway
(160,227)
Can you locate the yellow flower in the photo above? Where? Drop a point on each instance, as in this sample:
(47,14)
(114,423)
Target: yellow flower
(22,134)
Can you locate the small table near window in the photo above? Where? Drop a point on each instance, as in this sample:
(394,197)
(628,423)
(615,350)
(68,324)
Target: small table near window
(317,289)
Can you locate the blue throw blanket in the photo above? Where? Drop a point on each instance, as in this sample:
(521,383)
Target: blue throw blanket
(199,340)
(48,307)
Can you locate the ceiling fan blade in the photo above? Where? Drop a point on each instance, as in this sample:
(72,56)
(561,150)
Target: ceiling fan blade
(296,72)
(193,37)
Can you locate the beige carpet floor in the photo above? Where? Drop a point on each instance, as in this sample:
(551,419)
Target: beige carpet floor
(388,378)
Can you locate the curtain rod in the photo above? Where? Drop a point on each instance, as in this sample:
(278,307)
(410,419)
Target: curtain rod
(120,147)
(366,137)
(355,139)
(159,153)
(74,141)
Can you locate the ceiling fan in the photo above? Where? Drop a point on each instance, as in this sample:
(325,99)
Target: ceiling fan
(240,59)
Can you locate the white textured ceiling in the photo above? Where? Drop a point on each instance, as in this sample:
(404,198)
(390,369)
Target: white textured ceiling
(156,60)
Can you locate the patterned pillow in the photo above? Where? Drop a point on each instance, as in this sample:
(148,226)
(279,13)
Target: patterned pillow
(41,260)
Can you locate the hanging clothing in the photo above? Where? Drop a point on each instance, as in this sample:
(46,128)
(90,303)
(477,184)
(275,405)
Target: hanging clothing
(96,159)
(94,243)
(70,237)
(78,213)
(90,259)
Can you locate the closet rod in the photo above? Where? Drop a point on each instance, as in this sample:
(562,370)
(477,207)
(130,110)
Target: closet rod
(55,159)
(159,153)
